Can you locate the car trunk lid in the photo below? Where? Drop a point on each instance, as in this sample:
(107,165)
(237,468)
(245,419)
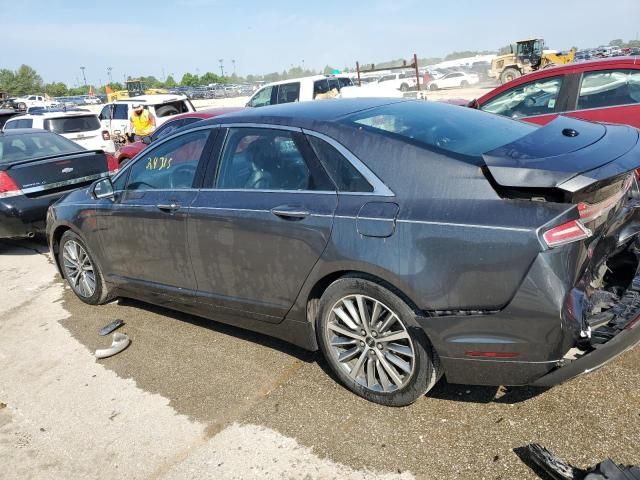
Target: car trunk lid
(59,173)
(566,154)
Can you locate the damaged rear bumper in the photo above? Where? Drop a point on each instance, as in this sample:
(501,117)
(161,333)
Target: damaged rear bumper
(628,338)
(619,333)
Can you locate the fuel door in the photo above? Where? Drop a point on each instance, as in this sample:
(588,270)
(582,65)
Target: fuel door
(377,219)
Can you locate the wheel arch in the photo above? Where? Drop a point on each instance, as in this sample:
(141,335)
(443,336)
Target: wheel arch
(54,243)
(321,285)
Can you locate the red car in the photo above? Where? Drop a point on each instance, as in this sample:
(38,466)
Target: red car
(127,152)
(605,90)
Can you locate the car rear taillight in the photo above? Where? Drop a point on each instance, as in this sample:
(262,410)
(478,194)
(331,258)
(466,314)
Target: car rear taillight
(566,233)
(112,163)
(8,187)
(591,211)
(105,135)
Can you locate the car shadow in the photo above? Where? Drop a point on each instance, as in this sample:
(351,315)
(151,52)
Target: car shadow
(34,246)
(224,328)
(442,390)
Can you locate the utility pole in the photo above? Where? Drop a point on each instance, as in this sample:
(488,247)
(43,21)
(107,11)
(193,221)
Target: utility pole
(84,76)
(221,67)
(109,74)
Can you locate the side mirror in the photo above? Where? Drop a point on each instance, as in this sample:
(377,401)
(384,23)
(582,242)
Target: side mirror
(102,188)
(146,140)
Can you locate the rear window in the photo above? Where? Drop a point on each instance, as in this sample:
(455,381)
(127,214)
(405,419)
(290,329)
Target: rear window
(23,123)
(85,123)
(171,108)
(34,145)
(450,128)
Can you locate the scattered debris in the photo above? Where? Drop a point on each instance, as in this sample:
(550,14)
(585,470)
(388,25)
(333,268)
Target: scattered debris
(3,405)
(107,329)
(120,342)
(558,469)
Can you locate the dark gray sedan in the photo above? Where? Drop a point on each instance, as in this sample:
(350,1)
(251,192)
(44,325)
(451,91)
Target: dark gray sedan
(406,240)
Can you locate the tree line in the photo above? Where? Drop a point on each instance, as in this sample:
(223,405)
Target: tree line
(25,80)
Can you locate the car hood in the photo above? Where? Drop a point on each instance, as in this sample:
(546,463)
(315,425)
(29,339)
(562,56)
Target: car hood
(566,153)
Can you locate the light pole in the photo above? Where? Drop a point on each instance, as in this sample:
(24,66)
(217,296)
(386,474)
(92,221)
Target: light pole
(109,74)
(221,67)
(303,64)
(83,76)
(234,67)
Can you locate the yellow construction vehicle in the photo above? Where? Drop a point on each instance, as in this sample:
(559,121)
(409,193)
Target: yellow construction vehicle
(529,55)
(134,88)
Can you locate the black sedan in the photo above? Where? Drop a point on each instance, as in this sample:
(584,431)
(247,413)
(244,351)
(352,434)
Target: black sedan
(406,240)
(37,167)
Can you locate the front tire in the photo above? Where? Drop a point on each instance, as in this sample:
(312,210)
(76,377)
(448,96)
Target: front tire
(509,74)
(81,270)
(373,344)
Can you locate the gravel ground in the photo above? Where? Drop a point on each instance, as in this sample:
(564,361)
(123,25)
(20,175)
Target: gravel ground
(218,375)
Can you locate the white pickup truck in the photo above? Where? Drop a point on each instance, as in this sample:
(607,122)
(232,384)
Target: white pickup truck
(29,101)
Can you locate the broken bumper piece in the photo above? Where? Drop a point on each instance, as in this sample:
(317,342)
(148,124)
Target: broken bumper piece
(120,342)
(620,333)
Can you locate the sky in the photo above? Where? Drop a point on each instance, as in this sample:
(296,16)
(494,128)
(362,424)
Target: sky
(143,37)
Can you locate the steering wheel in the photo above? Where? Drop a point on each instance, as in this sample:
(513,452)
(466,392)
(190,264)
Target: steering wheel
(182,177)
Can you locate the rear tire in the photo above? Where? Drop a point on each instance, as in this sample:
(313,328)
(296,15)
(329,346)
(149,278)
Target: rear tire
(433,87)
(404,87)
(509,74)
(81,270)
(394,372)
(166,111)
(464,84)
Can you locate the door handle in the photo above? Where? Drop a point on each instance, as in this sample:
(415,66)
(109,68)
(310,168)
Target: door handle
(290,213)
(168,207)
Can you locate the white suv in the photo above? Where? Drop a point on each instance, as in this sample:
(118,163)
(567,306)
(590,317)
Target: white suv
(299,90)
(400,81)
(80,126)
(114,117)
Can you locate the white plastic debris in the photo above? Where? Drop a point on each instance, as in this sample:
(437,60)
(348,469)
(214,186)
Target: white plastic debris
(119,343)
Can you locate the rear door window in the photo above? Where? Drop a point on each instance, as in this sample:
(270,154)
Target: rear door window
(268,159)
(85,123)
(121,111)
(346,177)
(320,87)
(22,123)
(262,98)
(609,88)
(533,98)
(289,92)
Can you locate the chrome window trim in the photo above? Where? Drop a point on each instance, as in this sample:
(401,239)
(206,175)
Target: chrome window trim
(320,192)
(261,125)
(72,181)
(379,188)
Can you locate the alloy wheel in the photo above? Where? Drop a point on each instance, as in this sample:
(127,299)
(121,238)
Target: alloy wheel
(370,343)
(78,269)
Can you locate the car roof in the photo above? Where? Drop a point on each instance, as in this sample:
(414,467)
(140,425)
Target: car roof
(23,131)
(153,99)
(61,113)
(305,79)
(575,67)
(304,114)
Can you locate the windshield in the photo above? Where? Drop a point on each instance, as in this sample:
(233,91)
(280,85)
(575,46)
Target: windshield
(14,148)
(446,127)
(74,124)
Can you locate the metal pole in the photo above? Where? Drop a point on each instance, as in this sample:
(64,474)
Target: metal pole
(221,67)
(358,70)
(84,76)
(415,63)
(109,74)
